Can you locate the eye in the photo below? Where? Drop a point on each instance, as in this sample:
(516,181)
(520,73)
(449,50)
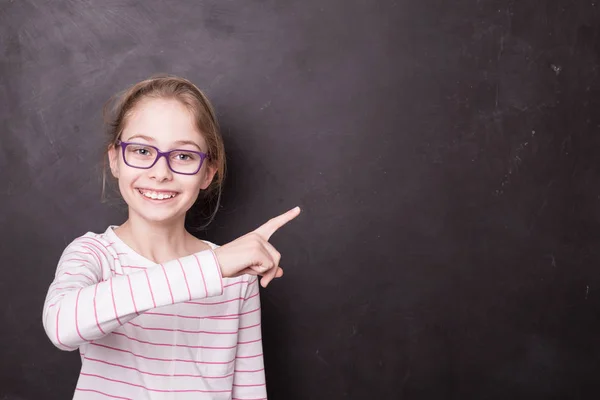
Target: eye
(139,150)
(184,156)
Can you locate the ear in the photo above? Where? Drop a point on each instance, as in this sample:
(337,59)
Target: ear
(113,159)
(209,174)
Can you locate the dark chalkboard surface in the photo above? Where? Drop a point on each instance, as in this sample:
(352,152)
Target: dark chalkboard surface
(444,154)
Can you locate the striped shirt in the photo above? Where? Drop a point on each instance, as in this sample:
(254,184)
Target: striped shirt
(176,330)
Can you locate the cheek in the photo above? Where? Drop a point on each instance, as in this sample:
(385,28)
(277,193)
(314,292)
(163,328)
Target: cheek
(192,187)
(127,177)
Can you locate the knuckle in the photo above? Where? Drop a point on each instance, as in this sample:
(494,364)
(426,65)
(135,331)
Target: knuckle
(257,246)
(253,238)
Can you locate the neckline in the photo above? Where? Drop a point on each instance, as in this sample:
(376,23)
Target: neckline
(117,239)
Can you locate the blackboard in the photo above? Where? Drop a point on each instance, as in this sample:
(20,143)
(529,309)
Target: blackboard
(444,155)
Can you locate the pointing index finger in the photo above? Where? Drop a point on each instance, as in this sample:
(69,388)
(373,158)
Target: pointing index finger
(267,229)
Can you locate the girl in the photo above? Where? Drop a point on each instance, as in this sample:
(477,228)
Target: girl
(155,312)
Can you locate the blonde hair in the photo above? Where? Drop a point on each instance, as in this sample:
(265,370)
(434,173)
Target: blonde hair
(121,106)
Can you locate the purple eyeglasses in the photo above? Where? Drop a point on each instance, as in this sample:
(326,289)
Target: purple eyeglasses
(145,156)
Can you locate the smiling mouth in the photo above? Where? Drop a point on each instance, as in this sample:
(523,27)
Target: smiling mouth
(157,195)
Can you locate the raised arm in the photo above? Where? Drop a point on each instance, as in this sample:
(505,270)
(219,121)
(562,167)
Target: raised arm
(85,303)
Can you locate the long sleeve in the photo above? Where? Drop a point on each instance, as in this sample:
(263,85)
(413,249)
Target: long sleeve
(86,301)
(249,374)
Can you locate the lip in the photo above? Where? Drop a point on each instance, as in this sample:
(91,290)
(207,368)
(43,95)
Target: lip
(156,190)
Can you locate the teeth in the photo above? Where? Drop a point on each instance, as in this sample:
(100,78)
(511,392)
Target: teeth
(157,196)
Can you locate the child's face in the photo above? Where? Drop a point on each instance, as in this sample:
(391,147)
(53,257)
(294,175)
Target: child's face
(167,125)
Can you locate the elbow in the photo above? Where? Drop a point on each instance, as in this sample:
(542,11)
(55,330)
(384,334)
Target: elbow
(60,343)
(58,340)
(62,346)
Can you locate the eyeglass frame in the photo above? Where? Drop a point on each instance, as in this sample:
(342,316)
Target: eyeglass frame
(160,154)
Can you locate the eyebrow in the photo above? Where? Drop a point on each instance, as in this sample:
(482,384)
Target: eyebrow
(178,142)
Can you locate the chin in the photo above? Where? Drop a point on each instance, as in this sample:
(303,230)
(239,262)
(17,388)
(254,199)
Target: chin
(158,216)
(158,213)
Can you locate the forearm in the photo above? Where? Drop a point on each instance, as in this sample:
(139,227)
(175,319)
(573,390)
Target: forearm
(78,310)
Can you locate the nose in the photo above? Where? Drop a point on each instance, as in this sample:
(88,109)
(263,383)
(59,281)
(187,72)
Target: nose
(161,171)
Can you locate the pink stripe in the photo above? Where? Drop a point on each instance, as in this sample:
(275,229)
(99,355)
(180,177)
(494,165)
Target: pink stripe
(150,287)
(75,259)
(78,252)
(76,318)
(257,355)
(155,374)
(101,249)
(248,327)
(58,337)
(97,257)
(182,330)
(104,394)
(175,345)
(250,341)
(68,253)
(98,241)
(249,371)
(240,282)
(169,360)
(168,283)
(133,266)
(252,296)
(215,303)
(253,385)
(77,274)
(185,278)
(51,292)
(86,245)
(84,260)
(56,302)
(202,273)
(112,293)
(218,267)
(155,390)
(234,283)
(259,398)
(65,287)
(132,296)
(226,316)
(95,311)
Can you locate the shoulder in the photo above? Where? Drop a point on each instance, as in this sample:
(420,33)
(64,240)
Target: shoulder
(92,242)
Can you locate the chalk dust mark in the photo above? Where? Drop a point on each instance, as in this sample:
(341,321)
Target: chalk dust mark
(515,161)
(266,105)
(45,132)
(321,358)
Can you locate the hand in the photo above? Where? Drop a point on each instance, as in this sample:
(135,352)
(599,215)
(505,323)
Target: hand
(252,253)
